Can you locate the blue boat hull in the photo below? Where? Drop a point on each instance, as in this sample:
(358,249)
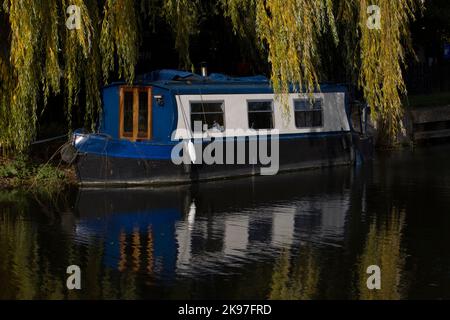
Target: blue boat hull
(116,168)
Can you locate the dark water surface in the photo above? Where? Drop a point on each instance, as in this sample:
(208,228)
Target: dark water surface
(306,235)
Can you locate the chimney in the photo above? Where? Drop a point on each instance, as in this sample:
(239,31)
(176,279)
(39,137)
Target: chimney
(204,69)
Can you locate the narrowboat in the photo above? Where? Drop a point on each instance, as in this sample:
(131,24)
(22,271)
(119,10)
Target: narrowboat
(178,127)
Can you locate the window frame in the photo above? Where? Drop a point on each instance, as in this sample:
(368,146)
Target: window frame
(272,112)
(222,102)
(136,134)
(312,110)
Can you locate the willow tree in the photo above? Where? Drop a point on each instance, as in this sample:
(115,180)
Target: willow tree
(41,57)
(45,55)
(373,35)
(382,57)
(68,47)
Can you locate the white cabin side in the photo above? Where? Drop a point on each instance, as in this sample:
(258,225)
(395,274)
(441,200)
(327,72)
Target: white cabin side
(236,114)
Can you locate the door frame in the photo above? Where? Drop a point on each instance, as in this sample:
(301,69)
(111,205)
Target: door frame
(135,136)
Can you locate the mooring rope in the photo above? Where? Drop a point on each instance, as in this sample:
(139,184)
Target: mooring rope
(49,140)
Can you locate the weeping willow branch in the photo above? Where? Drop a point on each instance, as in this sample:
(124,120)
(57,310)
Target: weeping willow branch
(92,76)
(77,53)
(119,36)
(291,30)
(50,78)
(24,19)
(382,58)
(40,56)
(241,13)
(182,16)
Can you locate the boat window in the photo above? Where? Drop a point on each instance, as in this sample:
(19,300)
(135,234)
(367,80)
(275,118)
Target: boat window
(128,114)
(260,114)
(208,113)
(308,114)
(143,114)
(135,113)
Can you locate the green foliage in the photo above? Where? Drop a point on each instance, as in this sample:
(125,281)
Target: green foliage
(49,179)
(241,13)
(47,172)
(21,172)
(43,57)
(80,56)
(293,29)
(119,36)
(382,57)
(17,168)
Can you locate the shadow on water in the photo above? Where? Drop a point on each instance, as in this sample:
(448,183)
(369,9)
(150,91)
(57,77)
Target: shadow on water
(306,235)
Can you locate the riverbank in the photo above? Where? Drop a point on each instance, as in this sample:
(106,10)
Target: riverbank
(25,173)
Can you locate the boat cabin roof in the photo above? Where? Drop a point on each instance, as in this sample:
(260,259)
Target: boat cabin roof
(182,82)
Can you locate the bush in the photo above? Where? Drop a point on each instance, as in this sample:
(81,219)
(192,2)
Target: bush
(49,179)
(17,168)
(47,172)
(21,172)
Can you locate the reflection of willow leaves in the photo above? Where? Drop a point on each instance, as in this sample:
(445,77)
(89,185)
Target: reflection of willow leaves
(109,292)
(128,286)
(295,280)
(51,288)
(383,248)
(19,262)
(22,263)
(93,269)
(28,272)
(25,264)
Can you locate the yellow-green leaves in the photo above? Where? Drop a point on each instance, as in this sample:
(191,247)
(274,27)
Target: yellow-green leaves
(292,29)
(46,56)
(119,38)
(382,54)
(239,12)
(23,91)
(41,57)
(51,74)
(78,53)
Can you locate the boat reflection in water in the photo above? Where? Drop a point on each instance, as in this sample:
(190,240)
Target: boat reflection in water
(215,227)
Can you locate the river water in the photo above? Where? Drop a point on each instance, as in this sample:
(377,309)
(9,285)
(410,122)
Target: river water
(305,235)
